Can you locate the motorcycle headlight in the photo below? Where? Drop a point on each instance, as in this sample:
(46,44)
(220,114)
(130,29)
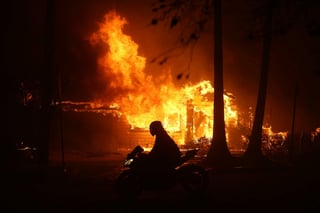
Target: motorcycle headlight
(128,162)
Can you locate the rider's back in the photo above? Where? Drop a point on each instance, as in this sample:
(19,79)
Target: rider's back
(165,152)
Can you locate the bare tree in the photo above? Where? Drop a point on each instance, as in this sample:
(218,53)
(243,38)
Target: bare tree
(289,13)
(179,12)
(253,154)
(47,85)
(219,154)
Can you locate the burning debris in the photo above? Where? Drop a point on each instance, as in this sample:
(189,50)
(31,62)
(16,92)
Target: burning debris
(86,106)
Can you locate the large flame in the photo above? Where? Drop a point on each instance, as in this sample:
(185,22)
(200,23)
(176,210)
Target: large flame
(149,98)
(143,98)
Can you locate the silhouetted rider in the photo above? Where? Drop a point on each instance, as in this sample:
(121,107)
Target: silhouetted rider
(165,153)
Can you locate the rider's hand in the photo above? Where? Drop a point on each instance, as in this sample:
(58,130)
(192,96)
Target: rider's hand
(130,156)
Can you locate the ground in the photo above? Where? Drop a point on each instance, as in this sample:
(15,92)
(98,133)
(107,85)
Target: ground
(88,183)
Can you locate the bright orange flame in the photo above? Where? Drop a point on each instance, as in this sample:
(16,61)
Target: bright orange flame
(122,57)
(149,98)
(267,130)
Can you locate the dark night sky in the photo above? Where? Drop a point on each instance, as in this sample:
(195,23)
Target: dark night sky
(294,55)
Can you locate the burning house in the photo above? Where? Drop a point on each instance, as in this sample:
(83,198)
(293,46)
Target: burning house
(186,112)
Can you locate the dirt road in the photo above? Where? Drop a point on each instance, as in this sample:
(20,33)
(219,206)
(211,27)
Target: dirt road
(88,185)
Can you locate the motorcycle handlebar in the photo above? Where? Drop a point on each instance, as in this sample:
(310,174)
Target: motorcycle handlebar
(138,149)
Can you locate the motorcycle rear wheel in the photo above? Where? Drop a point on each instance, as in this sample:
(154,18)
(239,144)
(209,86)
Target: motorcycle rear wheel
(194,178)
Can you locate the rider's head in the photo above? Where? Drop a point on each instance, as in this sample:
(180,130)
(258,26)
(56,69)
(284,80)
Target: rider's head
(156,127)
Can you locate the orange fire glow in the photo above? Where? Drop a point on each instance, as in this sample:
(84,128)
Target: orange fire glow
(145,98)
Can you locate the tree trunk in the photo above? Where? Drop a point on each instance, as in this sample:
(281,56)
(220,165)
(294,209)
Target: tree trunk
(291,144)
(218,154)
(47,88)
(253,155)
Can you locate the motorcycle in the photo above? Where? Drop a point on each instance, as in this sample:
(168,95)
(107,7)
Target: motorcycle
(133,180)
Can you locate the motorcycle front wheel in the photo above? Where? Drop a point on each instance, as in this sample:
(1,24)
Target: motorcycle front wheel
(128,184)
(194,178)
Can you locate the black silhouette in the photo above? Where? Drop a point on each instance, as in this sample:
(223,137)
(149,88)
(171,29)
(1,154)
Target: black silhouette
(163,167)
(165,154)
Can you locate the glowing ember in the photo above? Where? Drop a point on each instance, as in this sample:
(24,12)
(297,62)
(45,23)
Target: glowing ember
(142,98)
